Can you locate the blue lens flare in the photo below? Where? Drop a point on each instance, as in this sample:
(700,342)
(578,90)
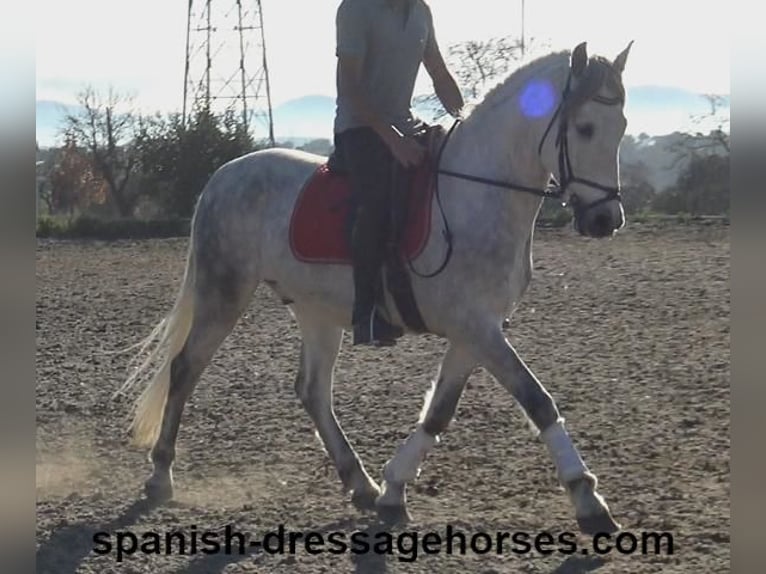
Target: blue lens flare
(537,99)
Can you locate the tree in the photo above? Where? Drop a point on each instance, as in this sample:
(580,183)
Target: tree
(718,138)
(108,130)
(176,160)
(43,170)
(716,141)
(637,192)
(72,184)
(702,188)
(476,64)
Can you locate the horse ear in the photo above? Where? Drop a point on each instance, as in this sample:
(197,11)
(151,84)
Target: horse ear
(619,61)
(579,59)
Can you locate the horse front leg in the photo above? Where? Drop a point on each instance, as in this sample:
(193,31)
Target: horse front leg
(501,360)
(438,410)
(313,385)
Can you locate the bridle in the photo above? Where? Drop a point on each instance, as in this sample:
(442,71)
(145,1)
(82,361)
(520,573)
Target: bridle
(558,188)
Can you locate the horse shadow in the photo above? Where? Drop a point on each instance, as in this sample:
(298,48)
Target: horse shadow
(368,563)
(68,546)
(363,563)
(579,565)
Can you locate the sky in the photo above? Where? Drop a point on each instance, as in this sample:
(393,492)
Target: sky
(138,46)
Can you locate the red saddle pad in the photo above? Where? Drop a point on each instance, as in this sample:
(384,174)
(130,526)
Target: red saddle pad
(318,226)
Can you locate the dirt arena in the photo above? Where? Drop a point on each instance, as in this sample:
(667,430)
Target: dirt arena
(630,336)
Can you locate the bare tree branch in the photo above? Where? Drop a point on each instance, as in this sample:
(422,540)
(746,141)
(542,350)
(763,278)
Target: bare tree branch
(475,65)
(715,141)
(108,129)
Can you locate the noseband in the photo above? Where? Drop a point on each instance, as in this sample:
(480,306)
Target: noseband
(558,188)
(566,173)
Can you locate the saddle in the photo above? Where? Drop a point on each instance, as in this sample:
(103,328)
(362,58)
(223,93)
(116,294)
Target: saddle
(323,217)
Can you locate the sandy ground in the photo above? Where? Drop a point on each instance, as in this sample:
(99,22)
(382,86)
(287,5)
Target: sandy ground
(631,336)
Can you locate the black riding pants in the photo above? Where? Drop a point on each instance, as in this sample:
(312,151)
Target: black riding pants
(371,168)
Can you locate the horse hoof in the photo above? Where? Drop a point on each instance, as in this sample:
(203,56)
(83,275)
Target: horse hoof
(598,523)
(158,492)
(393,515)
(364,501)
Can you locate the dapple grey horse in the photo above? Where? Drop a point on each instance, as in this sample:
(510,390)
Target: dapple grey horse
(560,115)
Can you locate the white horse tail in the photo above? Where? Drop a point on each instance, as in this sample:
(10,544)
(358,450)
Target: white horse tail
(170,335)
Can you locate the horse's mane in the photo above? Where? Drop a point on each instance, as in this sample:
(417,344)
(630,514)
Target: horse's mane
(598,72)
(516,80)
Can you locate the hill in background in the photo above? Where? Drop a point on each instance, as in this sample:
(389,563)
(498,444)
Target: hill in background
(654,110)
(656,116)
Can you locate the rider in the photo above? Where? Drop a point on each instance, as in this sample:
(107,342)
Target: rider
(380,46)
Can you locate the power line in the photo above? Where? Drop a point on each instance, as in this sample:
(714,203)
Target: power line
(225,67)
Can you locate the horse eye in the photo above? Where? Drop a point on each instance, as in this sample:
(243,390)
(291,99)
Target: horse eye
(585,131)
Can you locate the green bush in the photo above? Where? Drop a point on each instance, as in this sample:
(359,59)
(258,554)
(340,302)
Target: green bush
(48,226)
(702,189)
(88,227)
(176,160)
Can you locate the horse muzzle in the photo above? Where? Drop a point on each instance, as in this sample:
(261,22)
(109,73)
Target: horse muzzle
(599,221)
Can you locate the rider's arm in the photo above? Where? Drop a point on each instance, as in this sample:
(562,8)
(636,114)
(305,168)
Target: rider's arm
(444,83)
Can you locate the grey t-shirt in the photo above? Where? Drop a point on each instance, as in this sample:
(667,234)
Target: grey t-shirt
(391,44)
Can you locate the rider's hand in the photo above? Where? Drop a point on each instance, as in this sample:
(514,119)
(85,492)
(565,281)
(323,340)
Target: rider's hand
(407,151)
(456,111)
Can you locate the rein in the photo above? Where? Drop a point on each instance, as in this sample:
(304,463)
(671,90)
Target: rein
(557,190)
(566,174)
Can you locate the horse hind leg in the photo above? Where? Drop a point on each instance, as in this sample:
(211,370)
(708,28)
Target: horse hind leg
(212,300)
(313,385)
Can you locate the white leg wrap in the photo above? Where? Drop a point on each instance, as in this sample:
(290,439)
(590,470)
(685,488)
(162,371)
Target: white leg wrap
(565,456)
(405,465)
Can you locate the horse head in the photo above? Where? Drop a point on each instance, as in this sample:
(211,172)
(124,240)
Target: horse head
(581,143)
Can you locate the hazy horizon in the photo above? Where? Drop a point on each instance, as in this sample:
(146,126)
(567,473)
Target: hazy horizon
(655,110)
